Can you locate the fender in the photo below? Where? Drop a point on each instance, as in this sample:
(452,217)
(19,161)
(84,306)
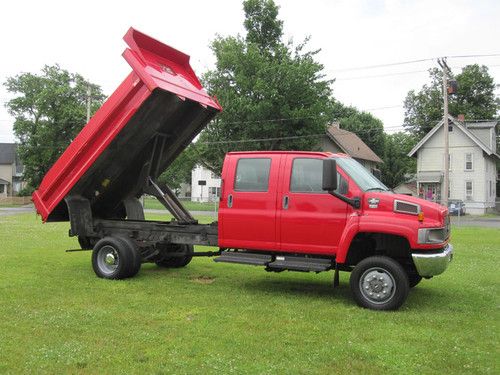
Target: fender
(361,224)
(350,231)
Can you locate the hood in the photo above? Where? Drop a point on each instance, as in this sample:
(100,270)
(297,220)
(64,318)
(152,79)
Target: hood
(433,213)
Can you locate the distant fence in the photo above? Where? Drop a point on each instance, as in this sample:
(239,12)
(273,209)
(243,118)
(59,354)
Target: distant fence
(21,201)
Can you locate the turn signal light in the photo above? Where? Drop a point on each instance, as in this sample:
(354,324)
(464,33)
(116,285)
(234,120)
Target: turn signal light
(421,216)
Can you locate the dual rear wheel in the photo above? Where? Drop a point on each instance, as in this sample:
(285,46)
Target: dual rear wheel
(119,258)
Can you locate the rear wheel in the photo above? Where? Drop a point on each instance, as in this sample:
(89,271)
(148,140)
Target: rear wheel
(115,258)
(379,283)
(175,256)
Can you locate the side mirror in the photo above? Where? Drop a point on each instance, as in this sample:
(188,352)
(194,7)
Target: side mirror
(329,175)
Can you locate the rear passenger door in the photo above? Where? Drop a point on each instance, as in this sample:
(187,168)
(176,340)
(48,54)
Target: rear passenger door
(247,212)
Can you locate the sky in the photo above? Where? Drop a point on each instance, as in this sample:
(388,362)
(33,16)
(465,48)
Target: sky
(86,38)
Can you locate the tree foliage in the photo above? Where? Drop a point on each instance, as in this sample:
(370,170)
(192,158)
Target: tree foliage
(475,99)
(269,90)
(366,126)
(49,110)
(179,172)
(398,166)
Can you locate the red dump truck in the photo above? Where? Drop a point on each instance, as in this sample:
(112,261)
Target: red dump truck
(295,211)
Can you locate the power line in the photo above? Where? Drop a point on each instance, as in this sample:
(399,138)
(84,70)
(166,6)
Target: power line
(412,62)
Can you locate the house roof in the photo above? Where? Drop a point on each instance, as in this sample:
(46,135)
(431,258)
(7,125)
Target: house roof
(351,144)
(464,129)
(412,186)
(7,153)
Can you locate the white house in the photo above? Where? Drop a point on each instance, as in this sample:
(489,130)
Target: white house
(205,185)
(472,164)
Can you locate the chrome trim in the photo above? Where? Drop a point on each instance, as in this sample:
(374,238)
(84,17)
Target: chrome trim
(429,265)
(406,212)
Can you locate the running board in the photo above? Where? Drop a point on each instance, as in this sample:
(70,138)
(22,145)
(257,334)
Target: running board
(244,258)
(294,263)
(278,262)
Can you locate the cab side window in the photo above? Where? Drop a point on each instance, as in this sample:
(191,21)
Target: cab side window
(342,186)
(307,175)
(252,174)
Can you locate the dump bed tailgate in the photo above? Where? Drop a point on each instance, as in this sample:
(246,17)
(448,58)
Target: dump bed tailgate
(137,133)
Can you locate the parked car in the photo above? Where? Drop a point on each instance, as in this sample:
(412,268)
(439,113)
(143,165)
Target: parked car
(456,207)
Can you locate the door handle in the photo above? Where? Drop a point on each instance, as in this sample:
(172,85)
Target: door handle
(230,201)
(285,202)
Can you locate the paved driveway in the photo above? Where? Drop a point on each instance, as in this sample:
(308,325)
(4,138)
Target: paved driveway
(7,211)
(476,221)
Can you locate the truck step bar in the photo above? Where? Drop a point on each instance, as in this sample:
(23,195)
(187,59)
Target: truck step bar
(277,263)
(295,263)
(244,258)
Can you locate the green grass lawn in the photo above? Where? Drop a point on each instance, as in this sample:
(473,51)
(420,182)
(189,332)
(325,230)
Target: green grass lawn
(152,203)
(208,318)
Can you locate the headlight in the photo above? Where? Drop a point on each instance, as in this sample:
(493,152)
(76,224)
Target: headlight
(432,235)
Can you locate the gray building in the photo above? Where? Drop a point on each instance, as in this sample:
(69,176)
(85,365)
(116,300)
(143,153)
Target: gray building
(473,161)
(11,170)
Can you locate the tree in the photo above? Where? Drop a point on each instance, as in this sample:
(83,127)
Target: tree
(475,99)
(367,127)
(49,110)
(398,166)
(274,95)
(179,171)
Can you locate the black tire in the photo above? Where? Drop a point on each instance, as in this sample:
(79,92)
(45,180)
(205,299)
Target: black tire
(115,258)
(414,279)
(379,283)
(135,264)
(175,256)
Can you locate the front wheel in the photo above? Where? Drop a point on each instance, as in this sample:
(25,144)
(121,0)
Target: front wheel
(379,283)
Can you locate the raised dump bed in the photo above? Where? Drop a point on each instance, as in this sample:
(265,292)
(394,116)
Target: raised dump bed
(143,126)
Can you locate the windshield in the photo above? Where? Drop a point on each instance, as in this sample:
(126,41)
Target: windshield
(364,179)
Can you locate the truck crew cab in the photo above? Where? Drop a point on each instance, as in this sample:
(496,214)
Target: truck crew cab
(296,211)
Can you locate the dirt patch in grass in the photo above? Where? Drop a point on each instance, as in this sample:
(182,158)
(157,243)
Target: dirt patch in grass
(203,279)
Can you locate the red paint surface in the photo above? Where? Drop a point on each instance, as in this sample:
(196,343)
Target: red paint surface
(156,66)
(314,223)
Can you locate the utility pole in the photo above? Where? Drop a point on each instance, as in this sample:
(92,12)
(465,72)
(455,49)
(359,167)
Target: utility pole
(89,92)
(446,174)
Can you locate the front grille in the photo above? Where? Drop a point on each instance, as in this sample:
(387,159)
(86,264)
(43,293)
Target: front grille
(447,226)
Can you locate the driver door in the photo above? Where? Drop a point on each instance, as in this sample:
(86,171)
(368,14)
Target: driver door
(311,220)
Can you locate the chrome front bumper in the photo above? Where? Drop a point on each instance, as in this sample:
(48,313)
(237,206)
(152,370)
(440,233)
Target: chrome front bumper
(429,265)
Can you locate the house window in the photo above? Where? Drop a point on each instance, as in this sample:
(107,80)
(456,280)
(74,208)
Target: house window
(2,189)
(468,190)
(449,162)
(252,174)
(468,162)
(214,191)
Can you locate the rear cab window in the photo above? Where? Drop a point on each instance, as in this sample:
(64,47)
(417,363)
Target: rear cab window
(252,174)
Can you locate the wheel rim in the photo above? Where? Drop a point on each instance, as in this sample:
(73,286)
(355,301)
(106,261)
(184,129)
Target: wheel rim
(377,285)
(107,259)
